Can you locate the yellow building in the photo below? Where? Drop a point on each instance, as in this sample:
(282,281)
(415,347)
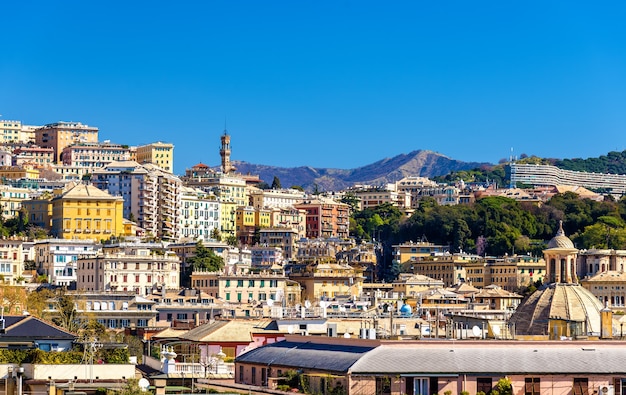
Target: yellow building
(411,250)
(18,172)
(328,280)
(86,212)
(159,154)
(39,211)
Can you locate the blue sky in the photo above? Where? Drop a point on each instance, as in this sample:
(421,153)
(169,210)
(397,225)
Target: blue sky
(324,83)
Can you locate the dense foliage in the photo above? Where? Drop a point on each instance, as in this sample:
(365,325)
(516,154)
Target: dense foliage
(614,163)
(494,226)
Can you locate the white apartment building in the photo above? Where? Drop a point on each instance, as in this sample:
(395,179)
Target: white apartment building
(266,256)
(57,258)
(94,155)
(133,269)
(152,196)
(545,175)
(275,198)
(200,214)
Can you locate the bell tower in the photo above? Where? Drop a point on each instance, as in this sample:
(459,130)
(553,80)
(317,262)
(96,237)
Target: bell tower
(225,153)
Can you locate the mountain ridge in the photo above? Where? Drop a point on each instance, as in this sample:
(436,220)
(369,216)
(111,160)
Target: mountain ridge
(422,163)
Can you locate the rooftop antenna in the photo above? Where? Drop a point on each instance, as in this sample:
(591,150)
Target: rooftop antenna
(511,160)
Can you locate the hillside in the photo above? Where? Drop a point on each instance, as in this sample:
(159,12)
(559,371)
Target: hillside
(417,163)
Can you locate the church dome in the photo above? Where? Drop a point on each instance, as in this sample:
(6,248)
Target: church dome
(564,302)
(560,240)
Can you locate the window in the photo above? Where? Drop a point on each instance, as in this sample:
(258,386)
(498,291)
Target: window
(253,375)
(241,374)
(581,386)
(383,385)
(483,384)
(531,386)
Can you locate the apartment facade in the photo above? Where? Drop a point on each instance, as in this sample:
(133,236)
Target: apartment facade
(94,155)
(57,258)
(33,155)
(158,153)
(138,270)
(85,212)
(275,198)
(63,134)
(247,287)
(152,196)
(200,214)
(11,199)
(284,238)
(325,218)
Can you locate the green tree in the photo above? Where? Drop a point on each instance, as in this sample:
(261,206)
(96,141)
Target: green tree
(205,259)
(276,183)
(351,200)
(68,317)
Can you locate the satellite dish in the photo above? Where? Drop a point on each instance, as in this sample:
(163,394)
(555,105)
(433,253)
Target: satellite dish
(346,335)
(270,302)
(143,384)
(307,304)
(476,331)
(290,329)
(496,330)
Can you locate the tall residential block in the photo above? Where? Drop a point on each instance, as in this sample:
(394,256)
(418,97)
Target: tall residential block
(63,134)
(152,196)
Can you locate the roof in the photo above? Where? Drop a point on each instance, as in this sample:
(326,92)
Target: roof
(570,302)
(307,355)
(85,191)
(225,331)
(494,359)
(32,328)
(560,240)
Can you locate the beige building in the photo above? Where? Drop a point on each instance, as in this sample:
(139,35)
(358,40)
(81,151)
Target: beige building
(248,287)
(33,155)
(136,269)
(63,134)
(411,250)
(11,261)
(291,218)
(19,172)
(94,155)
(373,197)
(275,198)
(284,238)
(609,287)
(410,285)
(159,154)
(10,130)
(327,280)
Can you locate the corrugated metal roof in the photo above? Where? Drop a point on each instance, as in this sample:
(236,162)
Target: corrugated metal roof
(490,359)
(306,355)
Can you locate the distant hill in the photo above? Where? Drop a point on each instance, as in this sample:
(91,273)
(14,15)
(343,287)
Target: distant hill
(417,163)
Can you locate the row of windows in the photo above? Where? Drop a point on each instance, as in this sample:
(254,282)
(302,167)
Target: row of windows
(251,283)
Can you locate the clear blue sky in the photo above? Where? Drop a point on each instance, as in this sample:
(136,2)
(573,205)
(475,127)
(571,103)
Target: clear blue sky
(324,83)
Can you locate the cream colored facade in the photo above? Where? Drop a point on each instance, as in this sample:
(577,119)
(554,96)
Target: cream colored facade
(409,285)
(135,269)
(94,155)
(159,154)
(609,287)
(370,198)
(62,134)
(291,218)
(11,261)
(247,288)
(275,198)
(405,252)
(11,199)
(10,130)
(283,237)
(36,156)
